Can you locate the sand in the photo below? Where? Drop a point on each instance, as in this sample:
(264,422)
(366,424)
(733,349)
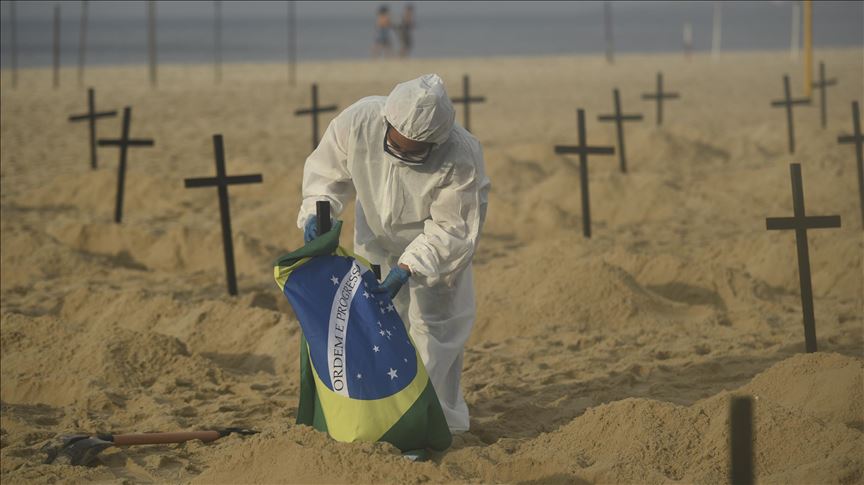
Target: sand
(605,360)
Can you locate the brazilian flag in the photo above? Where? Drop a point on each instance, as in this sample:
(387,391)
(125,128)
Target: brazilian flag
(361,378)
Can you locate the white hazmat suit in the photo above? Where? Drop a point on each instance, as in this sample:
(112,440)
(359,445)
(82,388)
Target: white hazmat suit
(426,216)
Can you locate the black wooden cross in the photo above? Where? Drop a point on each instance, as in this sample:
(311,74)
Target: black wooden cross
(322,217)
(800,223)
(314,110)
(659,96)
(822,84)
(91,116)
(619,118)
(583,150)
(741,441)
(124,142)
(857,138)
(221,182)
(788,102)
(467,99)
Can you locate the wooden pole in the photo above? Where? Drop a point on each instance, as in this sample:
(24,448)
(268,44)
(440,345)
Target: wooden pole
(610,45)
(56,46)
(857,138)
(121,171)
(151,40)
(741,441)
(225,214)
(716,32)
(217,37)
(82,43)
(91,108)
(292,42)
(808,47)
(322,212)
(795,39)
(13,18)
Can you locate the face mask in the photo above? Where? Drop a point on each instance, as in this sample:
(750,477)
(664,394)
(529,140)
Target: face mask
(415,158)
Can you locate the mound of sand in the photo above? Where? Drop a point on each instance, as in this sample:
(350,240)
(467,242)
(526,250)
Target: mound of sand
(801,436)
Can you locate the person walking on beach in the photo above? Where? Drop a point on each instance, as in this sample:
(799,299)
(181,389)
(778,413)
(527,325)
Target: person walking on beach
(688,40)
(406,28)
(421,192)
(382,32)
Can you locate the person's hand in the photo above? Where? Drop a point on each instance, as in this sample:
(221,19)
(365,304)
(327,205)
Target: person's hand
(393,282)
(310,230)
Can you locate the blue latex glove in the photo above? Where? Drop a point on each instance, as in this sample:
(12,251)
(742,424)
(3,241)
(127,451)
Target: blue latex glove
(393,282)
(310,230)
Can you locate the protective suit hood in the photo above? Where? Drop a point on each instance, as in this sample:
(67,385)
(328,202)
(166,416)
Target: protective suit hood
(420,109)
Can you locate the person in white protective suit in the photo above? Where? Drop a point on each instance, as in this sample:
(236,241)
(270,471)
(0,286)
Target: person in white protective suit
(421,195)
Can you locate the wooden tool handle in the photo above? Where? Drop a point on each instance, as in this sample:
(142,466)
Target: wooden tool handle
(161,438)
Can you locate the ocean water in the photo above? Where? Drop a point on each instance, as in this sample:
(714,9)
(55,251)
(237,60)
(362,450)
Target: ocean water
(258,31)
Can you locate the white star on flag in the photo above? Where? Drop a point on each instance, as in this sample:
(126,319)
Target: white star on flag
(381,332)
(388,333)
(379,323)
(382,311)
(359,376)
(366,294)
(406,360)
(375,348)
(334,279)
(390,307)
(392,374)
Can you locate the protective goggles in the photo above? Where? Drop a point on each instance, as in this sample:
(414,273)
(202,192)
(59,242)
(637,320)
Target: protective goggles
(395,150)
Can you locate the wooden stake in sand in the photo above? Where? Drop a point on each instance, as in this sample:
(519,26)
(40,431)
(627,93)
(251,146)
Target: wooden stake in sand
(741,441)
(292,42)
(607,23)
(221,181)
(619,118)
(322,217)
(217,41)
(659,96)
(151,40)
(795,38)
(822,84)
(583,150)
(314,110)
(124,142)
(716,30)
(466,99)
(56,49)
(857,138)
(788,102)
(13,33)
(808,47)
(82,42)
(800,223)
(91,116)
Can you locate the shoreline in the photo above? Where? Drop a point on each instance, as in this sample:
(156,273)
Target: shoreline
(667,55)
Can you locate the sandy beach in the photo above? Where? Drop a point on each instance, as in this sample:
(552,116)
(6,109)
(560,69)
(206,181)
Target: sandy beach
(602,360)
